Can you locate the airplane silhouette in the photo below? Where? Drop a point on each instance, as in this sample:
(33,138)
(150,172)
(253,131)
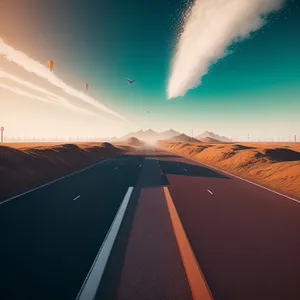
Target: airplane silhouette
(130,81)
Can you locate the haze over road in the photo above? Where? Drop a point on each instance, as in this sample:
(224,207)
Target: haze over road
(184,222)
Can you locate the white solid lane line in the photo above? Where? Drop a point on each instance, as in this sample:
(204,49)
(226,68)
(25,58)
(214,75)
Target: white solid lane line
(185,170)
(210,192)
(93,278)
(76,198)
(116,168)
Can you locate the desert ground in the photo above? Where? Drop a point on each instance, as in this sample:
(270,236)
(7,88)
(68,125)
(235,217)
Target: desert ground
(273,165)
(24,166)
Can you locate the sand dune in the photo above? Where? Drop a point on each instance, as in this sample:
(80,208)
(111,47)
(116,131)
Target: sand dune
(274,166)
(24,166)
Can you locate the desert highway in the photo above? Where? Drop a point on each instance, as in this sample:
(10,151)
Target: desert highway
(150,225)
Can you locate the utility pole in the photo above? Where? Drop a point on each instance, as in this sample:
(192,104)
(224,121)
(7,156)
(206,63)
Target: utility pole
(2,130)
(295,138)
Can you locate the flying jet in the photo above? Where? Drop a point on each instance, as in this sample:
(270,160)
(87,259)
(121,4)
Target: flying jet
(130,81)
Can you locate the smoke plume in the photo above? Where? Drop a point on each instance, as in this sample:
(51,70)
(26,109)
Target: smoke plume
(209,27)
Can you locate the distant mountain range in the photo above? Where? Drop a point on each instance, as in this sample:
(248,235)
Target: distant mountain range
(132,141)
(184,138)
(151,135)
(208,134)
(147,135)
(168,134)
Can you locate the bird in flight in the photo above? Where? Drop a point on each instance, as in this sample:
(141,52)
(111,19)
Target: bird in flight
(130,81)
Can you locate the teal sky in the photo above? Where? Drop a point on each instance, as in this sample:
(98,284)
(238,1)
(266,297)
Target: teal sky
(254,90)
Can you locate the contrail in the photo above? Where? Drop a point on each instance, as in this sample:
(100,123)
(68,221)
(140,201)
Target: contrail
(4,74)
(40,70)
(50,101)
(80,110)
(55,99)
(210,26)
(23,93)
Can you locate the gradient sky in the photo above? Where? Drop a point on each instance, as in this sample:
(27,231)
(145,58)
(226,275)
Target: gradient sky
(255,90)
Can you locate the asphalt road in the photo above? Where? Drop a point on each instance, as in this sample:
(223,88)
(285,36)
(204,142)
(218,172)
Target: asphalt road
(245,238)
(49,241)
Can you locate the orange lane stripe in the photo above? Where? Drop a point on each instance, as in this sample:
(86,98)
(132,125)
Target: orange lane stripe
(198,285)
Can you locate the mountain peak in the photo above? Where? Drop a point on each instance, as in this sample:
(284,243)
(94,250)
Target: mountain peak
(171,131)
(209,134)
(150,131)
(168,134)
(184,138)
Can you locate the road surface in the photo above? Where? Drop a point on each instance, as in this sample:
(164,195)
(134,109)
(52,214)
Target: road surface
(154,225)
